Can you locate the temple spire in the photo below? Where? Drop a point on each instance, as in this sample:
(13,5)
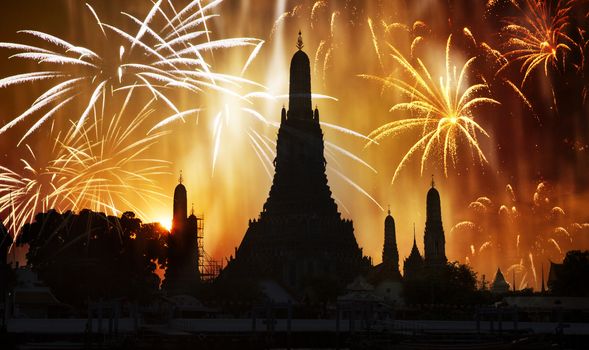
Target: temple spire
(180,179)
(300,41)
(433,182)
(299,104)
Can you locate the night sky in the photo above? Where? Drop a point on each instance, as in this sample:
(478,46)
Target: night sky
(520,204)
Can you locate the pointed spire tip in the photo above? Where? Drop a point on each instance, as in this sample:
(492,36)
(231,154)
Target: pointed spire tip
(300,41)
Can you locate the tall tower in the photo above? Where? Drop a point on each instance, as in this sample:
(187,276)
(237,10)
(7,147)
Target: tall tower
(390,253)
(300,183)
(434,240)
(182,275)
(180,205)
(299,240)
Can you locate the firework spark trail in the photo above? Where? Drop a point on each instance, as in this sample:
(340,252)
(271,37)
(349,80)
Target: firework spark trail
(97,167)
(445,110)
(375,43)
(164,58)
(314,15)
(318,5)
(538,36)
(357,187)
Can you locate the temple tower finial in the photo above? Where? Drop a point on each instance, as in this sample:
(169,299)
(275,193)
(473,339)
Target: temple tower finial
(433,182)
(180,179)
(300,41)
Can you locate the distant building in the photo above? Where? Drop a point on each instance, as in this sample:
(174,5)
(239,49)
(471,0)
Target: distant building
(182,274)
(31,298)
(499,284)
(413,264)
(433,239)
(299,240)
(554,272)
(387,277)
(390,253)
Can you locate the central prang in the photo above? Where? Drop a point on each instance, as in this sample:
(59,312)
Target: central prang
(300,241)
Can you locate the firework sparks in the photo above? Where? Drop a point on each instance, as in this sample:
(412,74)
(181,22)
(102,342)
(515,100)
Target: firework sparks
(444,111)
(97,168)
(538,37)
(158,60)
(524,231)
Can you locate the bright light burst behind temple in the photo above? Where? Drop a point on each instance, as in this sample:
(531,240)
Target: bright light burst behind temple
(443,110)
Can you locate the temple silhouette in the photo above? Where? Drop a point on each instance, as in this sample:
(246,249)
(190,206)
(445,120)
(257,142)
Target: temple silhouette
(182,274)
(300,239)
(434,240)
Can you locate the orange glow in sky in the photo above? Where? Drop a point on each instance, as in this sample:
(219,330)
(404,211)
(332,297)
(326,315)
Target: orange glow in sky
(225,146)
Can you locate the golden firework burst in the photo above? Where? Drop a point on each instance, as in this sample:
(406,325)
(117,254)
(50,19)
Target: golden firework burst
(444,111)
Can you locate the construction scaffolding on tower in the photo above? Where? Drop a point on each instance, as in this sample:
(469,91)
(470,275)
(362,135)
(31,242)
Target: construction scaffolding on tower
(208,267)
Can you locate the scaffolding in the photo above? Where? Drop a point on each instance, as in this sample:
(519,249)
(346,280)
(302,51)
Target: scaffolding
(208,267)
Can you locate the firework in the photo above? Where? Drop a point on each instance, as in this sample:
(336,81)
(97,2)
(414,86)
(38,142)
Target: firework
(443,111)
(526,232)
(328,21)
(98,168)
(538,37)
(160,60)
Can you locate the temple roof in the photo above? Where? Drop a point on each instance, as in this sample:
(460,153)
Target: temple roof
(499,284)
(414,255)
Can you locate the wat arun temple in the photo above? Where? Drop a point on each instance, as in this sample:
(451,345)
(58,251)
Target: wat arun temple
(300,239)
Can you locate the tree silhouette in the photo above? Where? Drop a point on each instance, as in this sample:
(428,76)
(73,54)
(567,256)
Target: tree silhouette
(92,255)
(7,276)
(572,277)
(452,283)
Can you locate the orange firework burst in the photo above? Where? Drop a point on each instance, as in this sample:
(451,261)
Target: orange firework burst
(526,232)
(538,36)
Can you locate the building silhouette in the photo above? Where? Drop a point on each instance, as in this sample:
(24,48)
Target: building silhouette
(499,284)
(182,274)
(433,239)
(413,264)
(389,268)
(299,240)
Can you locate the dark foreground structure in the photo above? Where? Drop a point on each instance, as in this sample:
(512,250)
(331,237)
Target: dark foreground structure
(300,240)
